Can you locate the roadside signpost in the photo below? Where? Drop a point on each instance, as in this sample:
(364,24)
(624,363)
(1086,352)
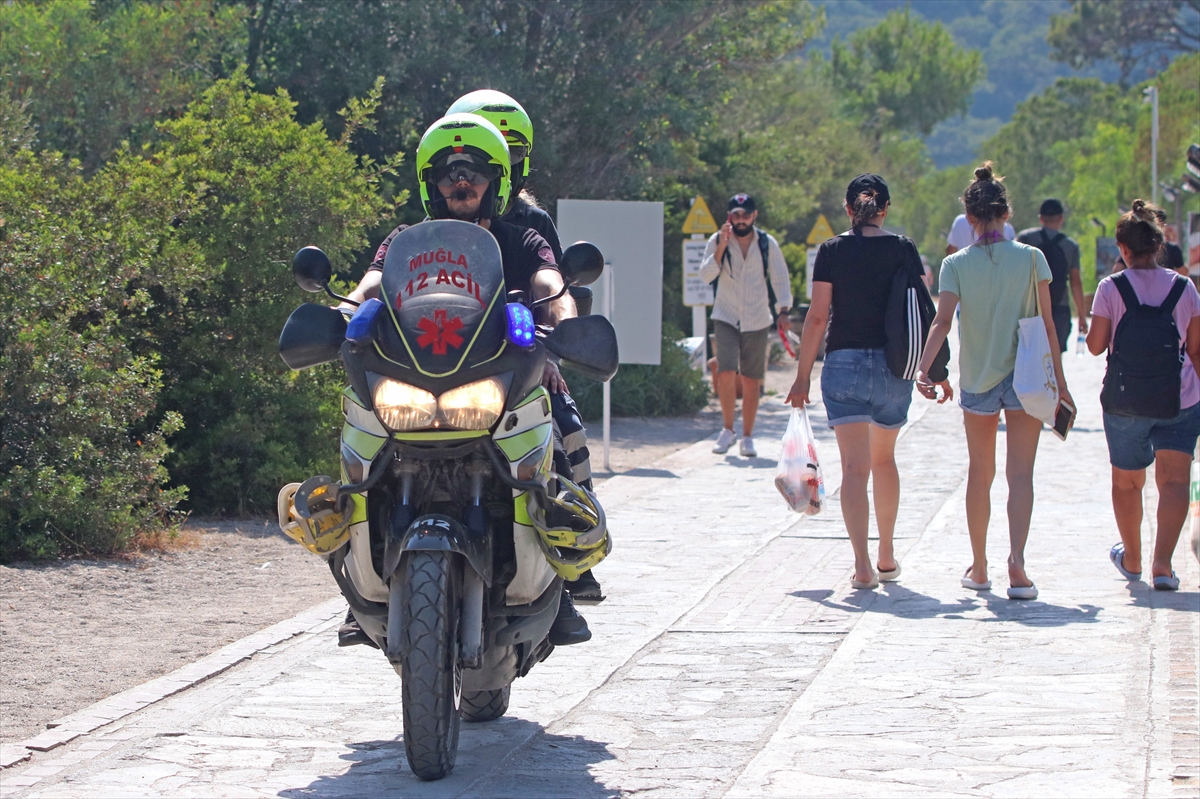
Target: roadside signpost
(821,231)
(629,293)
(697,293)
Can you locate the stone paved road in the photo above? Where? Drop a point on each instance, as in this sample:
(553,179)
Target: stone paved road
(732,658)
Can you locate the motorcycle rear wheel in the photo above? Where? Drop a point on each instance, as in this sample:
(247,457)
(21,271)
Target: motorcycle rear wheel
(485,705)
(431,679)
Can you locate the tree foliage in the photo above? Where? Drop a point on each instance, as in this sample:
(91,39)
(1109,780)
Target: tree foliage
(93,76)
(905,74)
(1129,33)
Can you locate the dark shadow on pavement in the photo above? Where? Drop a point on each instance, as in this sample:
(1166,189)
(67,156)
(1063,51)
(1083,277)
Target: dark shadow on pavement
(749,463)
(640,472)
(896,600)
(509,757)
(1143,595)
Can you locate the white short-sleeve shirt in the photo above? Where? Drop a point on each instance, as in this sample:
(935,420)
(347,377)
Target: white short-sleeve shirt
(962,236)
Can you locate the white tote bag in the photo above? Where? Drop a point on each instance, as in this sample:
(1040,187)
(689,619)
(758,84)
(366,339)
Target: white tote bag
(1033,376)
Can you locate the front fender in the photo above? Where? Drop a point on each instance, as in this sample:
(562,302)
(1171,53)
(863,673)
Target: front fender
(438,533)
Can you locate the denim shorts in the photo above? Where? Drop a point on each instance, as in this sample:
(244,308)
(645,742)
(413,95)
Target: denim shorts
(857,386)
(1133,440)
(989,403)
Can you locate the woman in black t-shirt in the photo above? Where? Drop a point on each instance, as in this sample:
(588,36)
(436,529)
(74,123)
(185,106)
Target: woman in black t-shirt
(865,403)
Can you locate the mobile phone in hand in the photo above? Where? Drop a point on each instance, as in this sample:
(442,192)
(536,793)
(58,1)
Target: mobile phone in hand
(1064,419)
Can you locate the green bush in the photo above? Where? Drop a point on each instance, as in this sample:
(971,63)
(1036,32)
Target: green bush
(80,457)
(670,389)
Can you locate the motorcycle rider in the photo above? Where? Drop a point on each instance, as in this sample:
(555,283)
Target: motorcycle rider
(463,167)
(523,211)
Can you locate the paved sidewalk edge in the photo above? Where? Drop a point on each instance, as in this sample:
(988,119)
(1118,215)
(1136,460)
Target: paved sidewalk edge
(118,706)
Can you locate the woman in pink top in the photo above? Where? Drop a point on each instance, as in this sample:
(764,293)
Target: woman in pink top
(1137,438)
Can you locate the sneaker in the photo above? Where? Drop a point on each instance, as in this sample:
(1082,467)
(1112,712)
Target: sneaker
(569,627)
(724,441)
(746,448)
(586,590)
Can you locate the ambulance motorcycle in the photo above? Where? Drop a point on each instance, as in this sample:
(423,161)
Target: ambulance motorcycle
(449,534)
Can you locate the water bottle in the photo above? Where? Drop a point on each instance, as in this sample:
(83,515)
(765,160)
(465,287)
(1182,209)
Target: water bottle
(1079,348)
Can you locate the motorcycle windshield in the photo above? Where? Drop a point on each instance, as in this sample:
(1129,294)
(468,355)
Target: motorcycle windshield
(443,284)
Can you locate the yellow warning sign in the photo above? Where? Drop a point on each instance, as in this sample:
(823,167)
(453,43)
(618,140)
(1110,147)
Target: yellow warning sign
(821,231)
(699,219)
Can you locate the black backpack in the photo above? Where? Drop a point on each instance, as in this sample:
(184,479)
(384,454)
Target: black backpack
(907,320)
(764,248)
(1146,356)
(1059,267)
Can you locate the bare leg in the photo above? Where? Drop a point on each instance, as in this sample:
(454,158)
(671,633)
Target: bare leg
(1023,434)
(750,389)
(727,394)
(885,479)
(854,444)
(1127,507)
(1172,475)
(981,452)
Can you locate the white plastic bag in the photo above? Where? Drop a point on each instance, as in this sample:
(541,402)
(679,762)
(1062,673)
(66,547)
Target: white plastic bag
(1033,376)
(798,476)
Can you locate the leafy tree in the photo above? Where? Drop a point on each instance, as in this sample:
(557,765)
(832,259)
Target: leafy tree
(1129,33)
(93,76)
(904,74)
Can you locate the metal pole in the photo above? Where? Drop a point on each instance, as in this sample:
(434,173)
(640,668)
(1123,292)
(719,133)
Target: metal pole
(607,391)
(1152,96)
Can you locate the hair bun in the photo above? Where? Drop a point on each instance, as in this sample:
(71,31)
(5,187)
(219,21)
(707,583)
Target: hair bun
(1139,206)
(984,172)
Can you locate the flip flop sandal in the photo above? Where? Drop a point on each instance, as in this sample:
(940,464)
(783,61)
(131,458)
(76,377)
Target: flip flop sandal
(967,582)
(887,577)
(1022,592)
(1164,583)
(867,586)
(1117,556)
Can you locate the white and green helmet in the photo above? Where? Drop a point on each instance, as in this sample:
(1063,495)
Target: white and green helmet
(510,119)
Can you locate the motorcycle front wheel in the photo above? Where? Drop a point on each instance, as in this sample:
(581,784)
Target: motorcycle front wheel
(431,680)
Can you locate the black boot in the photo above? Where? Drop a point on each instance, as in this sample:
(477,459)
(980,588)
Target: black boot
(569,627)
(350,634)
(586,589)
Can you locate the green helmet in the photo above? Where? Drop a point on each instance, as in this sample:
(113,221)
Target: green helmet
(510,118)
(472,147)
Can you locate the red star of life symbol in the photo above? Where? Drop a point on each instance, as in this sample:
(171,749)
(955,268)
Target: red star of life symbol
(440,332)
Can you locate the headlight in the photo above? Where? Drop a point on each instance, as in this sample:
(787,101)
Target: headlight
(403,407)
(475,406)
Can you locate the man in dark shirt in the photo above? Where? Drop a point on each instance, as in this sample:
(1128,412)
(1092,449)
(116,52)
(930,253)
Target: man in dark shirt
(1062,254)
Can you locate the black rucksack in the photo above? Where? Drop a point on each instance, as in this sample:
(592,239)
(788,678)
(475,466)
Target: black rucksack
(907,320)
(1059,267)
(1146,357)
(764,247)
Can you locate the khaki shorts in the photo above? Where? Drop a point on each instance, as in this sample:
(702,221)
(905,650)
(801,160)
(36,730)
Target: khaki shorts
(741,351)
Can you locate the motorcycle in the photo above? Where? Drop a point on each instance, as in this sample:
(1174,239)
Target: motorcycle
(449,533)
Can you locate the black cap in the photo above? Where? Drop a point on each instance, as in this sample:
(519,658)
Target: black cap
(743,201)
(1051,207)
(868,182)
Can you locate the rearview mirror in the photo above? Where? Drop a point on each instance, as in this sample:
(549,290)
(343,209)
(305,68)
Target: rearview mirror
(586,344)
(312,269)
(313,335)
(582,263)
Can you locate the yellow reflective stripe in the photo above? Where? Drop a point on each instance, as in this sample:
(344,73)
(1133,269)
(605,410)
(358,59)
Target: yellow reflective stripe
(521,510)
(520,445)
(534,395)
(359,514)
(364,444)
(348,393)
(441,435)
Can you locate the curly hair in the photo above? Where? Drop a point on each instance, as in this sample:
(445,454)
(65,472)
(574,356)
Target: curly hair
(1140,230)
(986,198)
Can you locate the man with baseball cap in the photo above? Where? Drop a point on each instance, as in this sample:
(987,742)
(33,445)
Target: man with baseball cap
(752,291)
(1062,254)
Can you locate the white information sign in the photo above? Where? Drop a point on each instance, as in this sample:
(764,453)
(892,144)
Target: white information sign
(630,234)
(695,290)
(810,262)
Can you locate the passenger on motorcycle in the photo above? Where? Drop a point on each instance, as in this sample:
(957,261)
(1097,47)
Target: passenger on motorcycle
(463,167)
(523,211)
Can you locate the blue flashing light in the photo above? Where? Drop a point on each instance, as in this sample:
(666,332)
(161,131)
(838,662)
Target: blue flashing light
(359,329)
(520,325)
